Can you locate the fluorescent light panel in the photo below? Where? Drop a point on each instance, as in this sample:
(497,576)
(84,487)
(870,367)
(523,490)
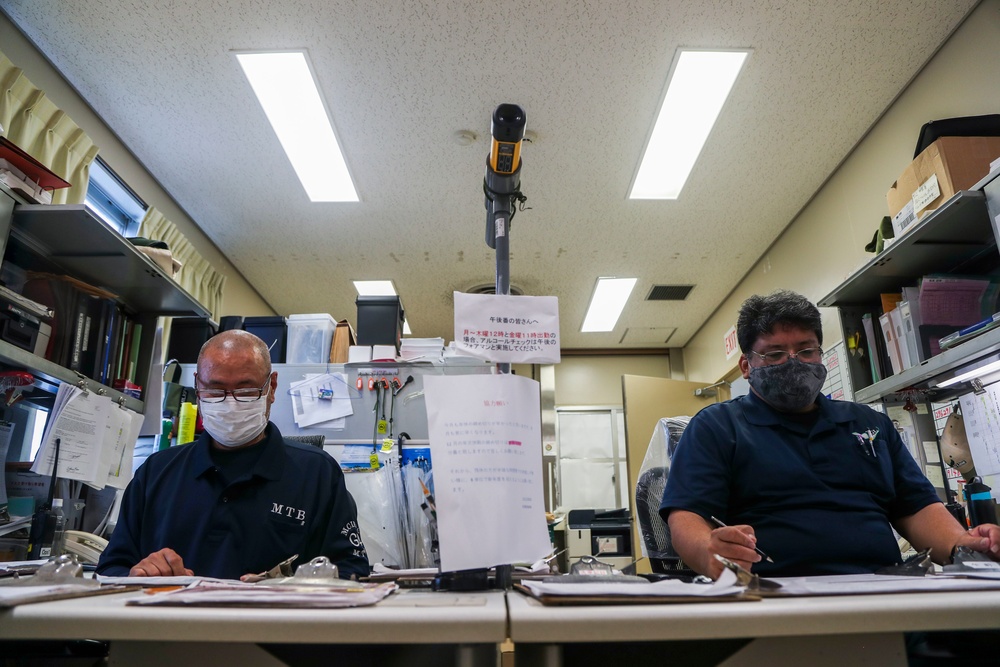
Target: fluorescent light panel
(980,372)
(375,288)
(698,87)
(286,88)
(607,303)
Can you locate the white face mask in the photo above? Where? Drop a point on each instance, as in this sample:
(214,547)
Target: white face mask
(232,423)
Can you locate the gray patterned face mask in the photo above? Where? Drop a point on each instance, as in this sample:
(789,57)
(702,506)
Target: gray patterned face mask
(788,387)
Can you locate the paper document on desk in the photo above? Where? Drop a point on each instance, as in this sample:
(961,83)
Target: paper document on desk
(724,586)
(852,584)
(486,444)
(234,594)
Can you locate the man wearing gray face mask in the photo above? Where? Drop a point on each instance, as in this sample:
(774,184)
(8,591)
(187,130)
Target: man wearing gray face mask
(814,483)
(240,499)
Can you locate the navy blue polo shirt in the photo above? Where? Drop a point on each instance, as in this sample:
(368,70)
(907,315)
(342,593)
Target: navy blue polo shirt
(291,501)
(821,495)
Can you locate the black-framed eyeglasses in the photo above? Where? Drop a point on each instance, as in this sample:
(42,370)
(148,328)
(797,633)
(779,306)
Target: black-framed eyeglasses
(809,355)
(242,395)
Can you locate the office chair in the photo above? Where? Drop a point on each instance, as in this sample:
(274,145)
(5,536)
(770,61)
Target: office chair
(654,530)
(315,440)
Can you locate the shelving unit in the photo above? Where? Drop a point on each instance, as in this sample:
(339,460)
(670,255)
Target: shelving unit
(71,240)
(960,237)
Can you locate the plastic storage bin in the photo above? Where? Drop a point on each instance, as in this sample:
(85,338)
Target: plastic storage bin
(272,331)
(380,320)
(309,338)
(187,335)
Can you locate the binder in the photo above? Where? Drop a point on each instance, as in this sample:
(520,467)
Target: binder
(889,334)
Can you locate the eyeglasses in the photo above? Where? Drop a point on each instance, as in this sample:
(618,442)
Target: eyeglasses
(242,395)
(809,355)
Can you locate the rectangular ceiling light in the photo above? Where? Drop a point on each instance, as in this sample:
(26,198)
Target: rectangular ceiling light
(696,90)
(375,288)
(607,303)
(286,88)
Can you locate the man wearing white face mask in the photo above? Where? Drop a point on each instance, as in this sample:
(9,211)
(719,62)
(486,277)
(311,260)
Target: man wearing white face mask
(239,499)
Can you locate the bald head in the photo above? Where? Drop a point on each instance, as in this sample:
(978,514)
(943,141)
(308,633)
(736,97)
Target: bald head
(235,350)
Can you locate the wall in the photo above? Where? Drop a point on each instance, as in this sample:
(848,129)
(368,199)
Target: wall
(597,380)
(239,297)
(825,242)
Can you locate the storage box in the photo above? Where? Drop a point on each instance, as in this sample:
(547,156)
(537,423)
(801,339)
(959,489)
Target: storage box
(187,335)
(272,331)
(958,163)
(309,338)
(380,320)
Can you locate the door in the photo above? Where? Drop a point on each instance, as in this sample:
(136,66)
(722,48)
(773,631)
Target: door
(646,401)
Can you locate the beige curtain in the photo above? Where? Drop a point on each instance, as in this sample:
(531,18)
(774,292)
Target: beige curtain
(196,276)
(37,126)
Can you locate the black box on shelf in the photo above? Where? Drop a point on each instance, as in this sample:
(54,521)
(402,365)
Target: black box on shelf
(187,335)
(380,320)
(227,322)
(272,331)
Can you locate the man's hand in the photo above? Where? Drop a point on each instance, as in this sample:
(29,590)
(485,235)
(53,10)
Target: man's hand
(735,543)
(984,537)
(696,543)
(162,563)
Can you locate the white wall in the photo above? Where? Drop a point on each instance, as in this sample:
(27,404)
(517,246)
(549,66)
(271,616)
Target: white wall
(825,243)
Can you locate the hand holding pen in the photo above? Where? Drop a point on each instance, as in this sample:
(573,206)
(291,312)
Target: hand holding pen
(757,549)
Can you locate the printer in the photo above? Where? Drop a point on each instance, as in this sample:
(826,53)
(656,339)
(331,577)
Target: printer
(605,534)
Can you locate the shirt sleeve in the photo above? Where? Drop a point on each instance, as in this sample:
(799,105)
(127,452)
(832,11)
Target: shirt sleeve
(123,549)
(342,544)
(699,475)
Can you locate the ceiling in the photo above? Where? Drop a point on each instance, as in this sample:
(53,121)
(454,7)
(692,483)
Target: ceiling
(401,78)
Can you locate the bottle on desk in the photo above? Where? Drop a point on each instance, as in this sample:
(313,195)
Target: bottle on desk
(48,531)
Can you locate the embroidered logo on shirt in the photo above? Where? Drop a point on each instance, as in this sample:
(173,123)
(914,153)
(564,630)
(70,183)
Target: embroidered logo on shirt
(866,440)
(289,511)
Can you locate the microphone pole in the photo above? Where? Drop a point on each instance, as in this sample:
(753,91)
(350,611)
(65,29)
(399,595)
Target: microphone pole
(502,186)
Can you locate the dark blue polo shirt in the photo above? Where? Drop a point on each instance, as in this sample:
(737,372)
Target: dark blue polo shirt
(291,501)
(820,496)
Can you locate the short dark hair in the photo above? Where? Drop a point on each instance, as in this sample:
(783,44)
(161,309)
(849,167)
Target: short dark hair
(759,315)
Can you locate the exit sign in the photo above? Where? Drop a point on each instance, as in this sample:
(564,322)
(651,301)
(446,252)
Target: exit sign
(732,347)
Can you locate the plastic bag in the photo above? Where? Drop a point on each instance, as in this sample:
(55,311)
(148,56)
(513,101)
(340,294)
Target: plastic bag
(650,484)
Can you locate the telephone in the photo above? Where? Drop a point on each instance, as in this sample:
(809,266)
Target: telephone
(86,546)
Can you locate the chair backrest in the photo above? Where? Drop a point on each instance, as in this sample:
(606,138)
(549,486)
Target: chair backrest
(648,496)
(315,440)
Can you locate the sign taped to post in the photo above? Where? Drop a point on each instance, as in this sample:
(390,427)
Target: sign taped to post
(508,329)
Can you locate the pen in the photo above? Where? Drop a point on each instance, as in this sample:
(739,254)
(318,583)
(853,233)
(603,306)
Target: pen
(757,549)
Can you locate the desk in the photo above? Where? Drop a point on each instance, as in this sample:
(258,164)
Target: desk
(816,631)
(468,626)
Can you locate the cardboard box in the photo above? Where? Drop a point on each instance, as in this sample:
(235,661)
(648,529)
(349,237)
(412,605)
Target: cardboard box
(958,163)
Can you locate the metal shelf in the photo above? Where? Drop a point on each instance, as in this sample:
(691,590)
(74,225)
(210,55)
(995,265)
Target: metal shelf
(954,236)
(925,376)
(49,375)
(86,248)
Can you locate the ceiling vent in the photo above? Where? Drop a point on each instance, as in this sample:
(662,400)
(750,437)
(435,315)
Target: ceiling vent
(491,288)
(669,292)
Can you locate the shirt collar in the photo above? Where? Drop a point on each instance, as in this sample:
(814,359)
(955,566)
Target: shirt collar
(270,465)
(759,413)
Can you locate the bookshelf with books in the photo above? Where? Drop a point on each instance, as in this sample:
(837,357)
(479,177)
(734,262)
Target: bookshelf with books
(945,266)
(104,294)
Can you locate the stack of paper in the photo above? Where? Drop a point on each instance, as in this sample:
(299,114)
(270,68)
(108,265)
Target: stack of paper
(96,439)
(427,349)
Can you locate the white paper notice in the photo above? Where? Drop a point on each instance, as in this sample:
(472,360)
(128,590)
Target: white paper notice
(79,420)
(485,439)
(320,398)
(119,446)
(508,329)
